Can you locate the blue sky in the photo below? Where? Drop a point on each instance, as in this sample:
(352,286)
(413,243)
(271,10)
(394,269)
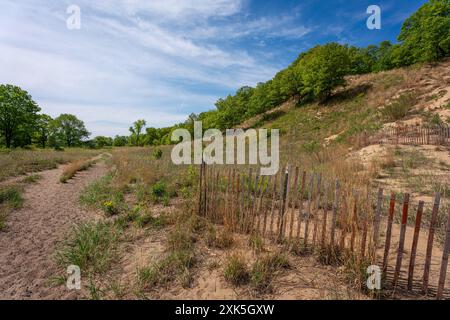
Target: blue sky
(160,60)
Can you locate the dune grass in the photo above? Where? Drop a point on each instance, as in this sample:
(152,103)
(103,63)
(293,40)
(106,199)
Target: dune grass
(176,265)
(71,170)
(92,246)
(236,270)
(33,178)
(18,162)
(265,269)
(105,195)
(10,199)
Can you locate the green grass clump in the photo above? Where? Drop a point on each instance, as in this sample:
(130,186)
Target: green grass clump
(147,219)
(174,266)
(102,194)
(157,154)
(256,242)
(32,178)
(11,195)
(181,239)
(159,193)
(222,240)
(400,108)
(177,264)
(236,271)
(91,246)
(10,199)
(264,270)
(355,272)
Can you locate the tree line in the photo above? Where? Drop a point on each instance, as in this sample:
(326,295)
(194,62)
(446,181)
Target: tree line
(424,38)
(22,125)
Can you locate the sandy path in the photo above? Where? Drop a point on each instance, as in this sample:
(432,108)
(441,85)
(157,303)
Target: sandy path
(28,244)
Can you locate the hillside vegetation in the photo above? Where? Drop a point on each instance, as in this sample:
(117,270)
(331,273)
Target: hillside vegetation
(316,74)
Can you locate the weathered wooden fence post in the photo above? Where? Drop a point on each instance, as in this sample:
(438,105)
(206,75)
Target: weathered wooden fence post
(444,264)
(200,189)
(335,211)
(376,227)
(308,212)
(401,244)
(325,215)
(294,192)
(412,260)
(426,271)
(255,202)
(248,195)
(283,204)
(317,208)
(354,221)
(266,209)
(274,202)
(300,206)
(387,244)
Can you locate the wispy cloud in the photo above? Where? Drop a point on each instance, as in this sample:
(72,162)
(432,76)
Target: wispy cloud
(127,61)
(153,59)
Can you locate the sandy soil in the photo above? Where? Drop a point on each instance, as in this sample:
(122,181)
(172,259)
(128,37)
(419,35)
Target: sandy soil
(28,244)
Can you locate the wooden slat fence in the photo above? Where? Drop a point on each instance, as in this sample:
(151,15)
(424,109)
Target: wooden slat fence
(314,212)
(408,135)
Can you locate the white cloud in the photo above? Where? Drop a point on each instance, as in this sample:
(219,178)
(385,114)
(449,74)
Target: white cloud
(171,9)
(132,59)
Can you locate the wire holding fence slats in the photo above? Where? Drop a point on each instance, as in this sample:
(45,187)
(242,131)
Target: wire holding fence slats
(324,215)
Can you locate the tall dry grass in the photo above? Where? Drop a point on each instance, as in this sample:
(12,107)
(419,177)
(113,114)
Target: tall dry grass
(18,162)
(71,170)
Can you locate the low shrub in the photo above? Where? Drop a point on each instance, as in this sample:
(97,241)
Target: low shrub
(158,192)
(157,154)
(399,108)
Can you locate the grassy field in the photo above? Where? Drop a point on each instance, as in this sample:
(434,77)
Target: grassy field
(19,162)
(15,163)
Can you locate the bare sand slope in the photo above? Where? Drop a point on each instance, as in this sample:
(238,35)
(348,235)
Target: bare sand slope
(27,246)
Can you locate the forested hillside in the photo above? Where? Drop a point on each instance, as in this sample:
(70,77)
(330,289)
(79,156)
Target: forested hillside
(424,38)
(312,77)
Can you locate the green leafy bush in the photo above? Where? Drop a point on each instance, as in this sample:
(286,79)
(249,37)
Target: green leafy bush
(157,154)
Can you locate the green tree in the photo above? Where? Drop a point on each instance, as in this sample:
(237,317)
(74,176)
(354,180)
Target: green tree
(18,115)
(101,142)
(136,132)
(43,130)
(383,56)
(361,61)
(322,69)
(68,130)
(152,136)
(120,141)
(426,34)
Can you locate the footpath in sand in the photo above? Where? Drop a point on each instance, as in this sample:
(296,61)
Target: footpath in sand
(28,244)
